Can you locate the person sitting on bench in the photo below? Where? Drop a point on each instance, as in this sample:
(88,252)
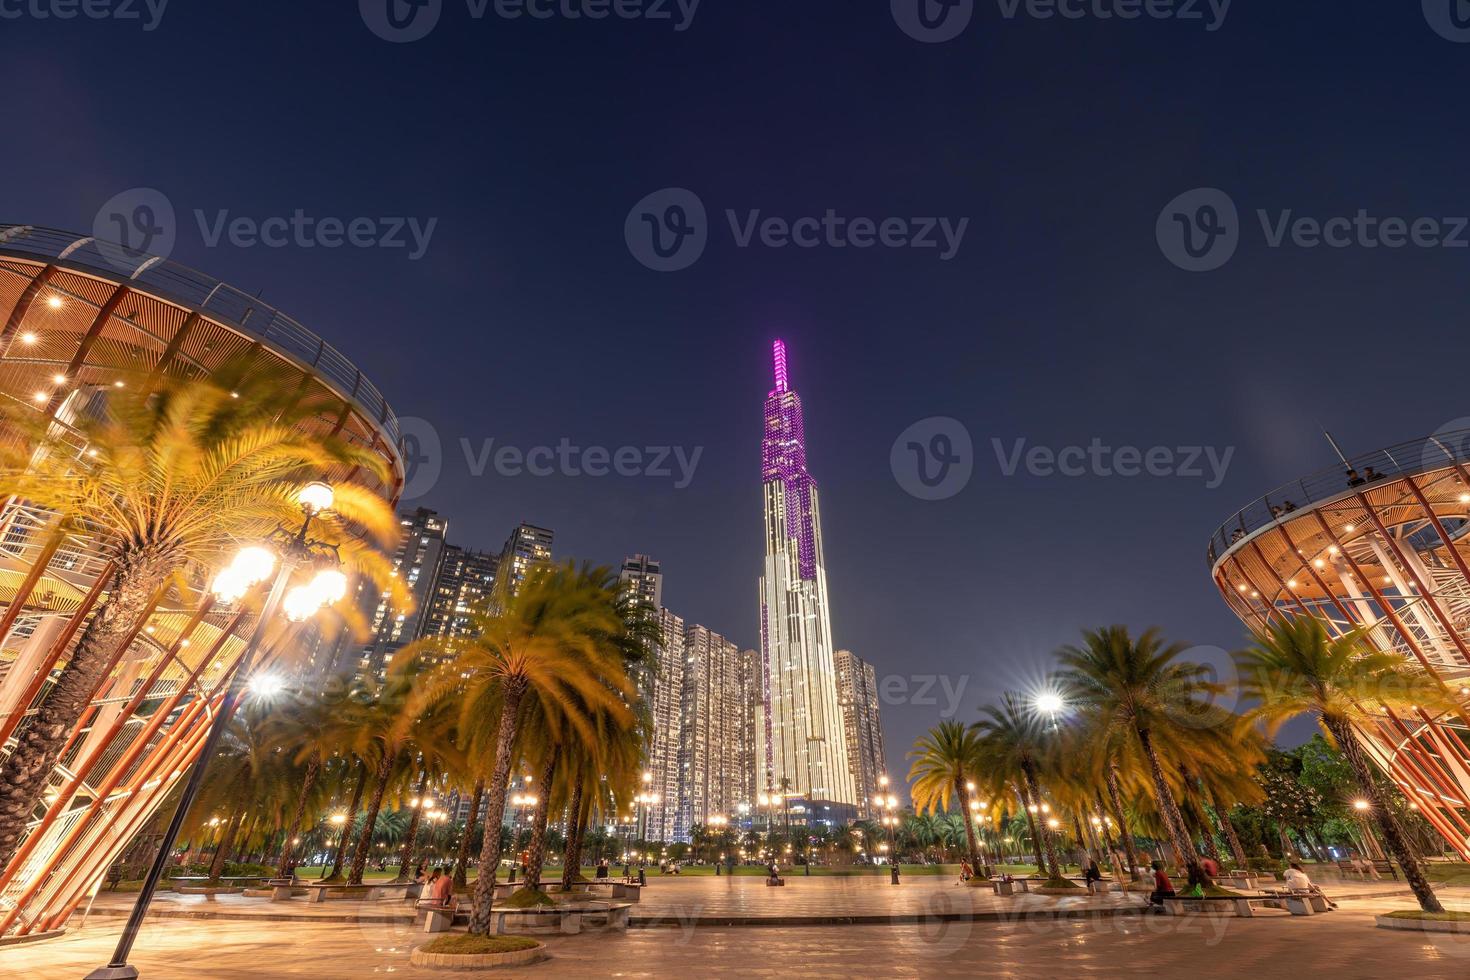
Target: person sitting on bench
(441,889)
(1297,881)
(773,871)
(1163,887)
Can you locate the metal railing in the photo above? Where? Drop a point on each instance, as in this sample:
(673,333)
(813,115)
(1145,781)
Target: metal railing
(219,301)
(1359,473)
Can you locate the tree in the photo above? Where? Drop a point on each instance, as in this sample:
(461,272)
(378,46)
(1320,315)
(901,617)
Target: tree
(546,643)
(946,763)
(1295,668)
(171,479)
(1142,687)
(1012,742)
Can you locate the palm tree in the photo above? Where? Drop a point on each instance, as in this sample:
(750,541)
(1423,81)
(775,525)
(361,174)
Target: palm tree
(1013,750)
(1295,668)
(1140,687)
(946,763)
(546,644)
(172,477)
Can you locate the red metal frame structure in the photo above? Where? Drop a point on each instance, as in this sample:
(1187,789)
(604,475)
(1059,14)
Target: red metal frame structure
(98,314)
(1380,544)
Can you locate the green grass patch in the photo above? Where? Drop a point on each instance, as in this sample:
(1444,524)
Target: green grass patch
(465,944)
(528,898)
(1061,883)
(1451,915)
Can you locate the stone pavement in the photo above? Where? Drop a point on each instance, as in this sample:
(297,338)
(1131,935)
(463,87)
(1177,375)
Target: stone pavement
(1343,945)
(705,900)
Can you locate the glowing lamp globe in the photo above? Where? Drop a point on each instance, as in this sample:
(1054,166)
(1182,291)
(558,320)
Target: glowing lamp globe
(315,497)
(229,585)
(301,603)
(330,585)
(254,564)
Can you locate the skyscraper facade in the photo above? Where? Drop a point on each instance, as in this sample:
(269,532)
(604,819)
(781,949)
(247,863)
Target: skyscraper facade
(800,724)
(416,562)
(663,689)
(527,547)
(715,727)
(857,697)
(644,577)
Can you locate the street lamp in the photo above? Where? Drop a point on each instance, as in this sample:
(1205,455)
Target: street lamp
(283,552)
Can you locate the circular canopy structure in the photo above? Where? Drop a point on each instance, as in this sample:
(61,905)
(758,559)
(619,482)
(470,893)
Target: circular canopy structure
(1380,544)
(77,317)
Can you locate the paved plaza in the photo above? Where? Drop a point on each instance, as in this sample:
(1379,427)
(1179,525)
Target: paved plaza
(1094,940)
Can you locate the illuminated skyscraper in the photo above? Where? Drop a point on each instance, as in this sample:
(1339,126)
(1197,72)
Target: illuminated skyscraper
(715,727)
(800,723)
(857,696)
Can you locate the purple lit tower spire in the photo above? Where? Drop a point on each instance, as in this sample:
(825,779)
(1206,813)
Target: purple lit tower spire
(800,724)
(783,457)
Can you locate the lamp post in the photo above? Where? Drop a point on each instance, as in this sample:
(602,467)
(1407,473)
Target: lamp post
(250,567)
(890,820)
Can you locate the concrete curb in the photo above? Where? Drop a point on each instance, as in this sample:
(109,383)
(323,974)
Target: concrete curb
(1421,925)
(477,961)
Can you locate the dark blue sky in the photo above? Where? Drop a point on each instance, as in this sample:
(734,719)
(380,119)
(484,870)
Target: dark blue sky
(1060,320)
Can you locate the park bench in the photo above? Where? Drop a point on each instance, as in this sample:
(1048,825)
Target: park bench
(440,918)
(617,889)
(775,882)
(566,921)
(1382,867)
(1297,899)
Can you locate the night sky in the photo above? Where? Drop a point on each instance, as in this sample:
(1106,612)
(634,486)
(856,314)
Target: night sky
(528,321)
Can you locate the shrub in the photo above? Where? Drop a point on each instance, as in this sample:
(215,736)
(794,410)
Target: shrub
(527,898)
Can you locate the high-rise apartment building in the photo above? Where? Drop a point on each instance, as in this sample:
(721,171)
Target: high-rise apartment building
(715,727)
(857,697)
(644,577)
(527,547)
(804,747)
(663,690)
(465,581)
(416,562)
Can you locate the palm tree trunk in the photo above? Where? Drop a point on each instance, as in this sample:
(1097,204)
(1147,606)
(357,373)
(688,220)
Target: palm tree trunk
(288,850)
(543,812)
(26,772)
(1115,800)
(962,790)
(410,838)
(1035,833)
(1053,866)
(370,820)
(222,852)
(484,895)
(347,828)
(462,862)
(1388,824)
(1231,837)
(1168,807)
(572,856)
